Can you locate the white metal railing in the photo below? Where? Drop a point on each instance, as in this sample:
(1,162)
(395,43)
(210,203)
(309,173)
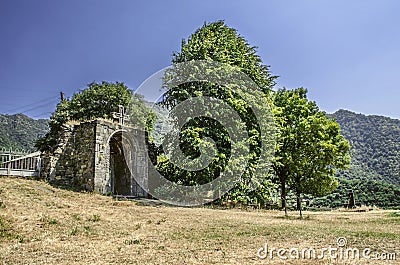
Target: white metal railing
(13,164)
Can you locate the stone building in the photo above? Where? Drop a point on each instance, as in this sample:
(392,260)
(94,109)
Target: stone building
(99,156)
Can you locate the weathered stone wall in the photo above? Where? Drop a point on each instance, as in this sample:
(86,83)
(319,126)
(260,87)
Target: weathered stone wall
(82,157)
(72,163)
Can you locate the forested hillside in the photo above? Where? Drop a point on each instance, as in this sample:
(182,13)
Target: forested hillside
(20,131)
(374,174)
(375,146)
(366,192)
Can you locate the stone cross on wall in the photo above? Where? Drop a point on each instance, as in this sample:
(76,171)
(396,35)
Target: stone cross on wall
(120,115)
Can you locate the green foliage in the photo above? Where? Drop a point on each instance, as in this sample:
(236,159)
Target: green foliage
(375,146)
(366,192)
(310,147)
(219,43)
(375,167)
(98,100)
(19,132)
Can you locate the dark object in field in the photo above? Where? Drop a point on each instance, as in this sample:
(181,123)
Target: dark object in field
(352,202)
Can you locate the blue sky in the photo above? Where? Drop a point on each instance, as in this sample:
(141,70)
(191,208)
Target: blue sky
(347,53)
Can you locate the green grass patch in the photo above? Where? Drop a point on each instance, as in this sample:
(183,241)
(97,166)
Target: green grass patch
(5,229)
(7,232)
(74,231)
(94,218)
(394,214)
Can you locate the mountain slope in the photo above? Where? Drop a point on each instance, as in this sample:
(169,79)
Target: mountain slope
(374,174)
(375,142)
(20,131)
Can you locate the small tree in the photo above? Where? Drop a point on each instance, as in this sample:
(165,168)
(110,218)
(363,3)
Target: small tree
(310,147)
(98,100)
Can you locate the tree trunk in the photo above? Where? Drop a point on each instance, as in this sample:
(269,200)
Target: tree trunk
(283,197)
(299,204)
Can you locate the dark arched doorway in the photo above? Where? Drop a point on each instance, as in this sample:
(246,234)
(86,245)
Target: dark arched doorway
(121,155)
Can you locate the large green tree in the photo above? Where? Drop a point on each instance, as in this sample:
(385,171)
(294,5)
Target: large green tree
(310,147)
(218,43)
(98,100)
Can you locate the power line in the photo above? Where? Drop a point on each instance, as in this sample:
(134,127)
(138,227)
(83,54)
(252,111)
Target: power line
(41,114)
(37,107)
(21,109)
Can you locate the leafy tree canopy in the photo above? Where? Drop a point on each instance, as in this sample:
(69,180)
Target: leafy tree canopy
(98,100)
(218,43)
(310,147)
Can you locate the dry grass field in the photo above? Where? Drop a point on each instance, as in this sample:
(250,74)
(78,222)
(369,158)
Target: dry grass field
(40,224)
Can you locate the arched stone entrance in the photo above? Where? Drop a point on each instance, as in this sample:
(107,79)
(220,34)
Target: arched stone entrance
(125,160)
(95,155)
(122,181)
